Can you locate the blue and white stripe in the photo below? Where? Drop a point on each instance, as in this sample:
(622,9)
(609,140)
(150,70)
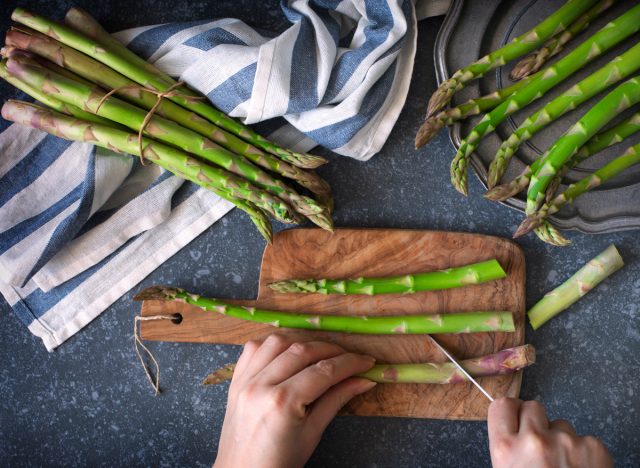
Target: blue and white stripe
(80,226)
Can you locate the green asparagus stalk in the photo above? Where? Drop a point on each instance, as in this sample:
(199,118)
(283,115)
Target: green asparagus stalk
(599,142)
(103,47)
(613,33)
(178,162)
(434,280)
(507,361)
(519,46)
(629,158)
(164,130)
(433,124)
(49,101)
(107,78)
(617,69)
(546,232)
(624,96)
(470,322)
(583,281)
(533,62)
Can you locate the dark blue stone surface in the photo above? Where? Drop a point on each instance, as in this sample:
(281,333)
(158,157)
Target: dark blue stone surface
(89,402)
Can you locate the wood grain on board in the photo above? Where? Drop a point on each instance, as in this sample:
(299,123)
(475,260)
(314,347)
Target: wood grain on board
(350,253)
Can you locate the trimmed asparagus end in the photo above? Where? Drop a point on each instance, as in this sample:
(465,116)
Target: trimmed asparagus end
(220,375)
(583,281)
(157,293)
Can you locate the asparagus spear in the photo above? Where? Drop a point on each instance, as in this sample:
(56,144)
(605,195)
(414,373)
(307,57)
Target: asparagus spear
(507,361)
(104,48)
(503,362)
(107,78)
(164,130)
(613,33)
(629,158)
(470,322)
(599,142)
(533,62)
(624,96)
(546,232)
(519,46)
(583,281)
(178,162)
(614,71)
(434,280)
(433,124)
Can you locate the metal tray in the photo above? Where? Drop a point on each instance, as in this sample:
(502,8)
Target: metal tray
(473,28)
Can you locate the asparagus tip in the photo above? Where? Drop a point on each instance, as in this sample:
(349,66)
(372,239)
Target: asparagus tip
(523,68)
(526,226)
(157,293)
(427,131)
(499,193)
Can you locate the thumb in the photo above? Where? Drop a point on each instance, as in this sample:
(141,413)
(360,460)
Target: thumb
(326,407)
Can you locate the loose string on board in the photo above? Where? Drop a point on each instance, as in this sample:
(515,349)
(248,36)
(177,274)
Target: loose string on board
(137,344)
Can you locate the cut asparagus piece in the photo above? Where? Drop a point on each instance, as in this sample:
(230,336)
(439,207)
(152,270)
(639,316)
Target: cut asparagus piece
(552,25)
(624,96)
(507,361)
(178,162)
(116,56)
(533,62)
(583,281)
(630,157)
(469,322)
(130,91)
(93,99)
(616,70)
(602,140)
(610,35)
(435,280)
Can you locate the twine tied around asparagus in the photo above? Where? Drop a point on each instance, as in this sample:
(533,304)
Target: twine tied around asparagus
(170,92)
(137,344)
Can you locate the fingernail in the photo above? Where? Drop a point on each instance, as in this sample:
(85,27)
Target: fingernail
(365,386)
(370,358)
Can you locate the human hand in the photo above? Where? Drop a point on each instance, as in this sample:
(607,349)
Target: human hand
(520,434)
(282,397)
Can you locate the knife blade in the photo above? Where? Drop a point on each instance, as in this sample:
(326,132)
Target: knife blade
(460,368)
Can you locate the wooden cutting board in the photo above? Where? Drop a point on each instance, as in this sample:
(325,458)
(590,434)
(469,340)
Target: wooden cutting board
(350,253)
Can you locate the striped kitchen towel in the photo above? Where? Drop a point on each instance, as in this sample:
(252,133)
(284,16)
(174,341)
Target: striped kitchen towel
(80,226)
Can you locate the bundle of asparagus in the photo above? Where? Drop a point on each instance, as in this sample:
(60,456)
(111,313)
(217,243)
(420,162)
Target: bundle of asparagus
(96,90)
(543,178)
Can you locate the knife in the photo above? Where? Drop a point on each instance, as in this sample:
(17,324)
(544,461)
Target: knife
(460,368)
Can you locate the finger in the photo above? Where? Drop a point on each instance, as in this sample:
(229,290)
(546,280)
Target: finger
(248,351)
(271,348)
(327,406)
(297,357)
(562,425)
(312,382)
(502,419)
(533,417)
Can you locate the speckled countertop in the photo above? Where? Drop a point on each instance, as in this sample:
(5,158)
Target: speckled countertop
(89,403)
